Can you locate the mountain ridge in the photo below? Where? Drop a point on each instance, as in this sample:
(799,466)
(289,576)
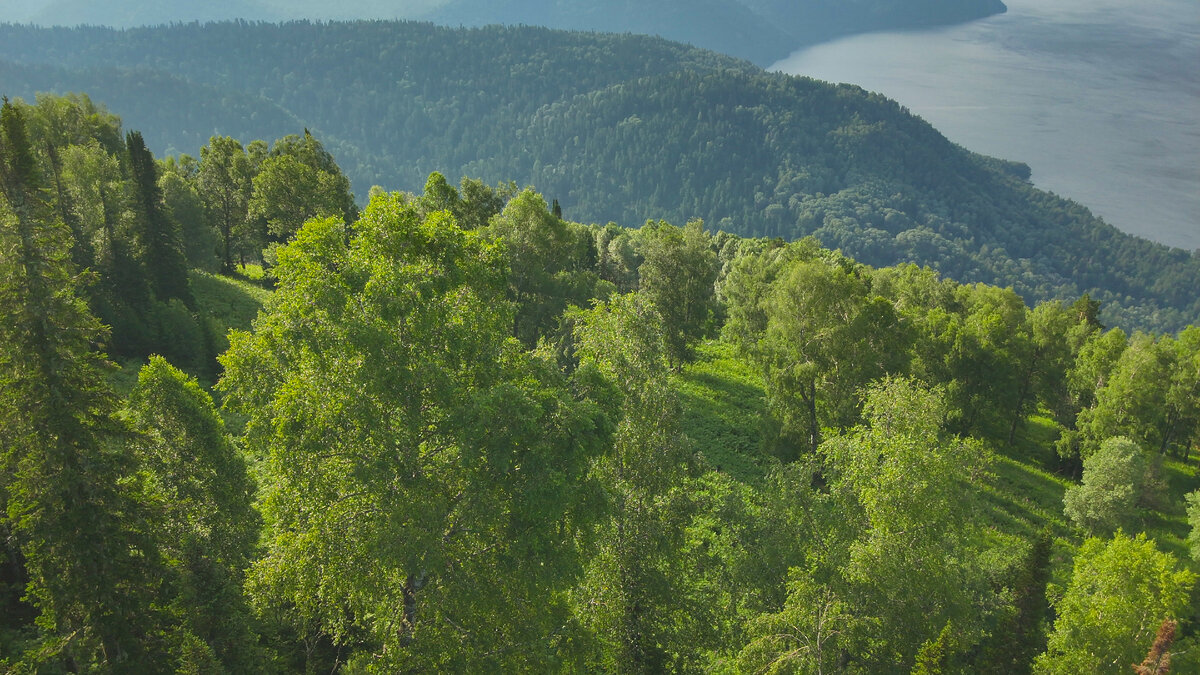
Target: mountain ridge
(762,31)
(622,128)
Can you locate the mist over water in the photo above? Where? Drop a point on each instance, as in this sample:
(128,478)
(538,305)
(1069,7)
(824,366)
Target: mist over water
(1100,97)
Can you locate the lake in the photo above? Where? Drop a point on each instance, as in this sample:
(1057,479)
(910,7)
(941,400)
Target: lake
(1100,97)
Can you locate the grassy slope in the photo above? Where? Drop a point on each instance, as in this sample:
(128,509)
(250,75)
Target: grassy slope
(226,303)
(724,407)
(229,302)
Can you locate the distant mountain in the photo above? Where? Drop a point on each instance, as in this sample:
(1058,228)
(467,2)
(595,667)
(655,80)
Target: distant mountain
(620,128)
(127,13)
(762,31)
(725,26)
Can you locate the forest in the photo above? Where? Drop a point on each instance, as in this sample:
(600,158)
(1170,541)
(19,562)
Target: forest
(762,31)
(617,128)
(249,427)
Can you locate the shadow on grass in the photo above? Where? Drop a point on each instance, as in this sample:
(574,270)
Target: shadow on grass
(1024,499)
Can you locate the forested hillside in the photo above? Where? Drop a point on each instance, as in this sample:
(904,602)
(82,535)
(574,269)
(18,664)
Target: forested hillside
(454,432)
(763,31)
(619,128)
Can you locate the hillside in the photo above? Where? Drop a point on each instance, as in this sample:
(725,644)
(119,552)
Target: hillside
(458,433)
(763,31)
(616,127)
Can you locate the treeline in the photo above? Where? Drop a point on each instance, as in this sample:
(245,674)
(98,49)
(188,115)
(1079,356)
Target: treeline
(619,128)
(460,445)
(138,225)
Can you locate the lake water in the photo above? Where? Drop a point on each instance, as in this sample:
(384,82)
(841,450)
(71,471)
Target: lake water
(1100,97)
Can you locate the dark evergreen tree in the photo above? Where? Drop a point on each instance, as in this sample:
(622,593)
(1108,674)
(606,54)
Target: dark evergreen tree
(159,243)
(67,488)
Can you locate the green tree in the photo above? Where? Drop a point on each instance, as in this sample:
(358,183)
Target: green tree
(632,595)
(205,522)
(225,183)
(677,274)
(287,193)
(826,335)
(183,204)
(546,270)
(915,564)
(1044,372)
(1114,478)
(1088,375)
(987,349)
(809,635)
(1119,594)
(68,489)
(158,239)
(1192,500)
(1133,401)
(1019,636)
(99,197)
(1181,423)
(423,477)
(478,202)
(439,196)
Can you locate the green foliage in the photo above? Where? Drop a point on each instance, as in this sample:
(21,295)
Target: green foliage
(633,595)
(438,495)
(157,238)
(423,477)
(1019,636)
(677,274)
(621,128)
(548,263)
(911,487)
(823,336)
(1193,516)
(69,493)
(1120,592)
(184,205)
(808,636)
(1150,396)
(204,518)
(225,183)
(1114,478)
(297,182)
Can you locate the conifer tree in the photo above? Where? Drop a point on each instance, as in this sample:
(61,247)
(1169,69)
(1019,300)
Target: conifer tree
(65,483)
(158,236)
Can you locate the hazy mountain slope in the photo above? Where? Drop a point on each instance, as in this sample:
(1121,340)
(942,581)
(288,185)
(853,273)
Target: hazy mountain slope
(622,127)
(175,115)
(762,31)
(726,26)
(126,13)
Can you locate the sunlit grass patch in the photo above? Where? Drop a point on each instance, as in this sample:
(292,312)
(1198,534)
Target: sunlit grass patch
(723,408)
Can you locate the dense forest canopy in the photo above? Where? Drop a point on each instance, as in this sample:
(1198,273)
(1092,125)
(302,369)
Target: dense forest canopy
(763,31)
(455,432)
(617,128)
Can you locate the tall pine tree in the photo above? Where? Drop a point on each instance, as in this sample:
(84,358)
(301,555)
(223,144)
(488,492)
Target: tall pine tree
(158,236)
(64,479)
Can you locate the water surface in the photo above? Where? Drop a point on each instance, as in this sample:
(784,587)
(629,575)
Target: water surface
(1100,97)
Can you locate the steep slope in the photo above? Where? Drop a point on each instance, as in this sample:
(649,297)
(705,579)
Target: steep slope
(618,127)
